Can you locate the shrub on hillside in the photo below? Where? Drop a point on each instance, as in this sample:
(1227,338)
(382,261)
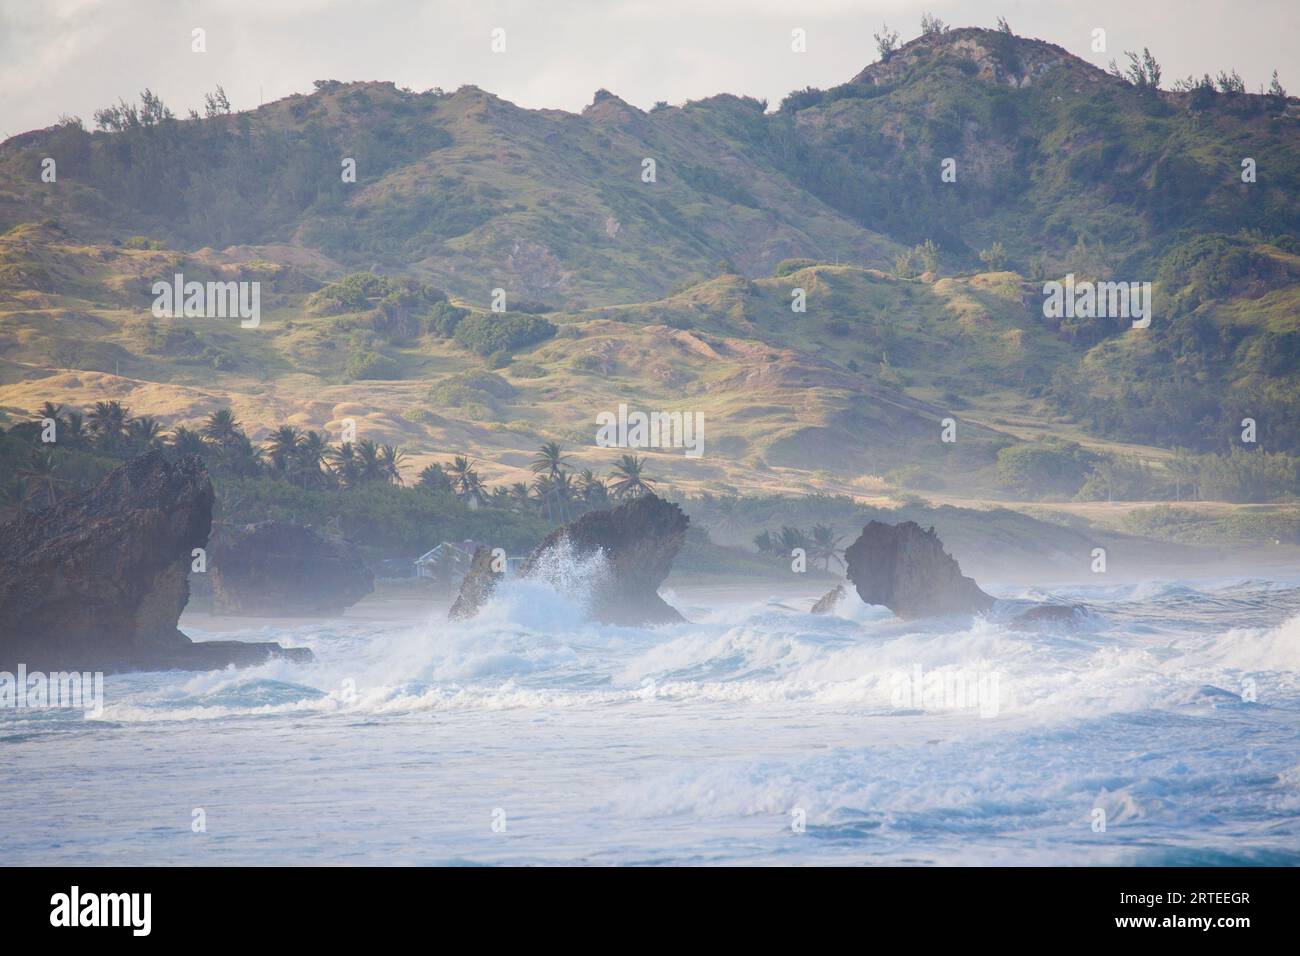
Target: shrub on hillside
(496,332)
(1051,468)
(365,290)
(443,319)
(369,364)
(788,266)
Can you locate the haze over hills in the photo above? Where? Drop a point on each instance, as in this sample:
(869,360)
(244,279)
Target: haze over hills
(676,294)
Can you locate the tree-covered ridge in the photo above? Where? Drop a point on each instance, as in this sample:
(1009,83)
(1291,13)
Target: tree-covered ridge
(1049,152)
(804,277)
(302,476)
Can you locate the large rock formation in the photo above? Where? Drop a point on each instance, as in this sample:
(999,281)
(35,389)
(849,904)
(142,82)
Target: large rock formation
(638,541)
(99,581)
(907,570)
(279,569)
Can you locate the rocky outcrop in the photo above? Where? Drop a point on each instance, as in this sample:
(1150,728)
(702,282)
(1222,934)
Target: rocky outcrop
(281,569)
(98,581)
(907,570)
(827,603)
(636,543)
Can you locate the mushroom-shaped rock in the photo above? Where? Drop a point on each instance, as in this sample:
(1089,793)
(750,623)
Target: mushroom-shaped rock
(906,569)
(636,541)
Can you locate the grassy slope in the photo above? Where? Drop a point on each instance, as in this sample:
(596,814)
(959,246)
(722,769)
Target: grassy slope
(844,398)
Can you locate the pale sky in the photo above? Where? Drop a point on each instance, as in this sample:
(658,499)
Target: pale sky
(74,56)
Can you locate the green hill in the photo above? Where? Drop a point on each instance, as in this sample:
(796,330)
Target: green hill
(677,294)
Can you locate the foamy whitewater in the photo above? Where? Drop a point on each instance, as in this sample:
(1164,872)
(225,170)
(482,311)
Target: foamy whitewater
(758,734)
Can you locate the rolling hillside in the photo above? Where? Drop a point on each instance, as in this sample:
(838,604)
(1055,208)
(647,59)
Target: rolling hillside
(676,294)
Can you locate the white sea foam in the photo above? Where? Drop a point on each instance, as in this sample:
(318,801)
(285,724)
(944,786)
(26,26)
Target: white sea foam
(734,720)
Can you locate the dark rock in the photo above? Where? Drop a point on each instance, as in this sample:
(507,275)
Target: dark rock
(639,541)
(98,581)
(1052,615)
(907,570)
(827,603)
(281,569)
(477,587)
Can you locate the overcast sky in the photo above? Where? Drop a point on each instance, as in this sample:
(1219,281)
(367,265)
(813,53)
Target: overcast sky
(74,56)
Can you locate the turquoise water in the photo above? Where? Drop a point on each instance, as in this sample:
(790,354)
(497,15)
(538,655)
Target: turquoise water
(757,734)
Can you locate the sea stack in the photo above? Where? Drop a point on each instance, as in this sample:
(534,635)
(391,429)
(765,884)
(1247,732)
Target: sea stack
(638,541)
(906,569)
(98,581)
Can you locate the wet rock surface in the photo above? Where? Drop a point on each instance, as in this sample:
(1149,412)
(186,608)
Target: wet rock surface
(1052,615)
(637,542)
(906,569)
(99,581)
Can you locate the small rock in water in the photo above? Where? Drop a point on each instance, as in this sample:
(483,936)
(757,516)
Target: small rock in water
(827,603)
(1052,615)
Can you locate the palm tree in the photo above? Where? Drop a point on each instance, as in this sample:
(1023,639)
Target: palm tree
(222,428)
(542,493)
(185,441)
(500,497)
(369,466)
(564,494)
(792,538)
(825,545)
(282,450)
(73,431)
(593,491)
(630,480)
(108,422)
(550,459)
(311,453)
(55,414)
(391,459)
(556,495)
(241,457)
(41,472)
(433,477)
(143,433)
(477,491)
(343,461)
(464,479)
(764,542)
(519,496)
